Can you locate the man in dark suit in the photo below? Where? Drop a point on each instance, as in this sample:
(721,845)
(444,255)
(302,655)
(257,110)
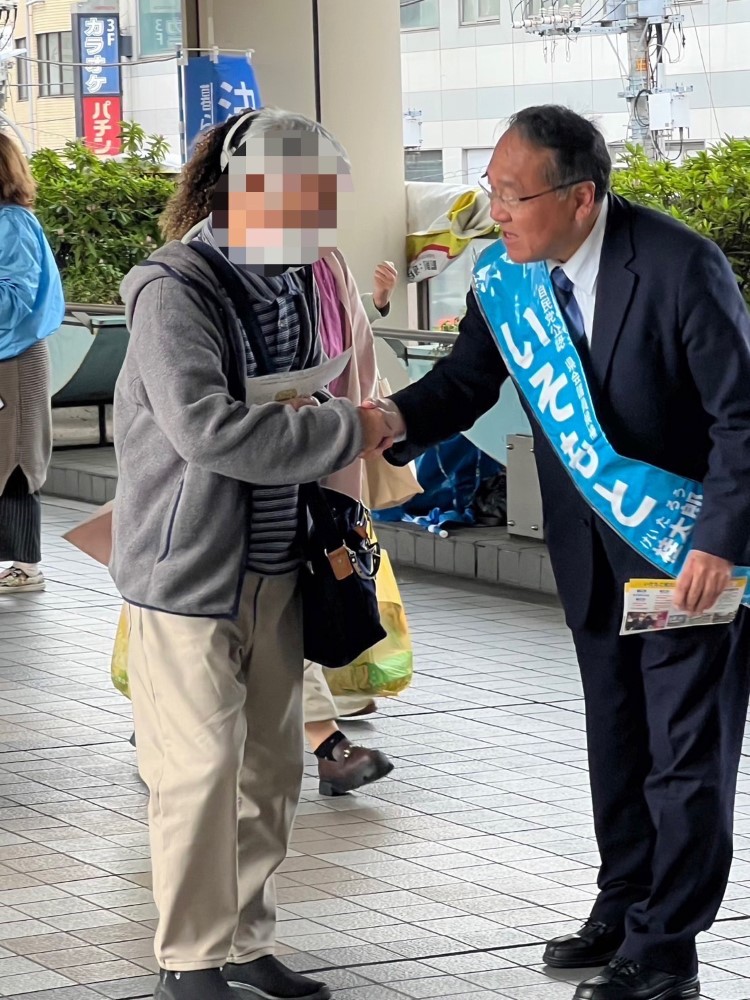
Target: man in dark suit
(664,338)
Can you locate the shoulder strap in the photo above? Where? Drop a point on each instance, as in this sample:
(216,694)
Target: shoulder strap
(232,284)
(313,498)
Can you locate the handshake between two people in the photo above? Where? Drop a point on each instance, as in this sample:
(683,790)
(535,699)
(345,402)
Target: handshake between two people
(381,421)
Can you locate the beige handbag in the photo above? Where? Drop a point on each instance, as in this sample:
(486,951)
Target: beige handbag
(385,485)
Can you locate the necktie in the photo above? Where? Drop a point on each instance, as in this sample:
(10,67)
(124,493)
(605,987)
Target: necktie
(570,309)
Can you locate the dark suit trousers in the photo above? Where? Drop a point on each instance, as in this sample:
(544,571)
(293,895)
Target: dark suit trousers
(665,716)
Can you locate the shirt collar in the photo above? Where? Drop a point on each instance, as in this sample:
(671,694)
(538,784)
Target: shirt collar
(583,266)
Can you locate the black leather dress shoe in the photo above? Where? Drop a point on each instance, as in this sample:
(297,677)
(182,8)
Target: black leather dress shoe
(594,944)
(626,980)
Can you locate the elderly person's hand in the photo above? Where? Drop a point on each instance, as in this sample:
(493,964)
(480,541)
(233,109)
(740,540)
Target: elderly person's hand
(299,401)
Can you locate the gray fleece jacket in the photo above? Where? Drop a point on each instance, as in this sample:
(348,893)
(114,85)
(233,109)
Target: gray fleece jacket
(188,448)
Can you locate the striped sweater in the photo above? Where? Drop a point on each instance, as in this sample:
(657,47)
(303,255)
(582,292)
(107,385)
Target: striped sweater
(291,333)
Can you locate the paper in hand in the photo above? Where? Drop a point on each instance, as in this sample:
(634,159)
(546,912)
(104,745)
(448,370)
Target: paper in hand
(292,385)
(649,607)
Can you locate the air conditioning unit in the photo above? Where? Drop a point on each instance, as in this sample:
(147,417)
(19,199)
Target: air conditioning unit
(412,129)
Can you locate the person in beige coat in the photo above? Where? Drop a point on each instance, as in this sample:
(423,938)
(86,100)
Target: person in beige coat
(32,308)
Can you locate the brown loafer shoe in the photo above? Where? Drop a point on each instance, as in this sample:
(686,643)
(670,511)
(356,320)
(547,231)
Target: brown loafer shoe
(353,767)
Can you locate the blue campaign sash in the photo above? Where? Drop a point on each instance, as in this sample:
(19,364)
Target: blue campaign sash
(652,510)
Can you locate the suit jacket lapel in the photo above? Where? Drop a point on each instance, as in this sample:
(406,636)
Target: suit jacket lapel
(615,287)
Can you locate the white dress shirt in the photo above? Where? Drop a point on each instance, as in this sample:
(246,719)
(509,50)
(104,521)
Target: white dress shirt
(583,269)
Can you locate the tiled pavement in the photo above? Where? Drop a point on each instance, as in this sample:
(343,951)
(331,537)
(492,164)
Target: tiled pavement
(441,882)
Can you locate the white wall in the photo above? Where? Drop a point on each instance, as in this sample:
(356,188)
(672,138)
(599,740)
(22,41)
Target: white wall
(360,93)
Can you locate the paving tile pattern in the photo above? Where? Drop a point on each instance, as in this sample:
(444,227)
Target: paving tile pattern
(440,882)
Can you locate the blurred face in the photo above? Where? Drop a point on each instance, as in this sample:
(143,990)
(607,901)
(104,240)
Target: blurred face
(278,205)
(537,224)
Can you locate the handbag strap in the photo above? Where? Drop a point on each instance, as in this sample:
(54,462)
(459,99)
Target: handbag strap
(233,285)
(313,499)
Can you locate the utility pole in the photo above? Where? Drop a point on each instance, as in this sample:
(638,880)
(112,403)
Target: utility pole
(8,53)
(639,132)
(6,10)
(655,109)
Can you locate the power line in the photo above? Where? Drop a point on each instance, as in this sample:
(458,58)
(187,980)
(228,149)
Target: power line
(706,74)
(174,56)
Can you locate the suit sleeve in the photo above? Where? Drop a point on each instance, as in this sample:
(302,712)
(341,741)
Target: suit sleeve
(716,334)
(455,393)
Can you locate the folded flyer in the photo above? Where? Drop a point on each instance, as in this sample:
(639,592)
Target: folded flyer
(649,607)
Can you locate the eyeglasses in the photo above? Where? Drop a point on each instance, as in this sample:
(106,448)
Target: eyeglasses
(513,201)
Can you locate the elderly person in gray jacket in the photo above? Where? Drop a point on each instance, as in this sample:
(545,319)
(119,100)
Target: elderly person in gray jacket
(207,564)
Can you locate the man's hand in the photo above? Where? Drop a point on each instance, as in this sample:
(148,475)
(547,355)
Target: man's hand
(396,423)
(385,280)
(701,581)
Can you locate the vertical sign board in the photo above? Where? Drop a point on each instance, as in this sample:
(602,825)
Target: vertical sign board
(215,91)
(99,89)
(101,124)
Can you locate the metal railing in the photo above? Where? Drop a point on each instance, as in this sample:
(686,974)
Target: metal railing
(413,336)
(75,310)
(426,337)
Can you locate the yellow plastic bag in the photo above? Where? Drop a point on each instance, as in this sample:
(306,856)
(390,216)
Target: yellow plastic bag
(119,665)
(384,670)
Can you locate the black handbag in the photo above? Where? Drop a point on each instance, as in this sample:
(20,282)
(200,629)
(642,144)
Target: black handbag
(341,618)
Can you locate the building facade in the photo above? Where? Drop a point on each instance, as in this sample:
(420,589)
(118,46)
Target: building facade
(465,69)
(42,88)
(40,97)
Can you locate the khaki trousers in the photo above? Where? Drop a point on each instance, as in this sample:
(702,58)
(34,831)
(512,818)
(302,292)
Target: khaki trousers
(218,711)
(320,705)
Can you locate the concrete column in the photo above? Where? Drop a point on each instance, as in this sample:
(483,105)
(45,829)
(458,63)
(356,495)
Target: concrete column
(343,57)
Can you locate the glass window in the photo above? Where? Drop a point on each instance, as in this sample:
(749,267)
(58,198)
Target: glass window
(478,11)
(159,26)
(475,163)
(419,14)
(424,165)
(56,71)
(22,72)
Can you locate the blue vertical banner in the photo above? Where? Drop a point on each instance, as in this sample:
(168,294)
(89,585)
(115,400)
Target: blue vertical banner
(99,44)
(215,90)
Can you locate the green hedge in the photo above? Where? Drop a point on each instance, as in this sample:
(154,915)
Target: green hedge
(710,192)
(101,215)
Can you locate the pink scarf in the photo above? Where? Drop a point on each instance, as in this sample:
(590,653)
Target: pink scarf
(333,321)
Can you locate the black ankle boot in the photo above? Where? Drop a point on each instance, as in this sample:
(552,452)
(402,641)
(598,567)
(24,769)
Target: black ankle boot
(208,984)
